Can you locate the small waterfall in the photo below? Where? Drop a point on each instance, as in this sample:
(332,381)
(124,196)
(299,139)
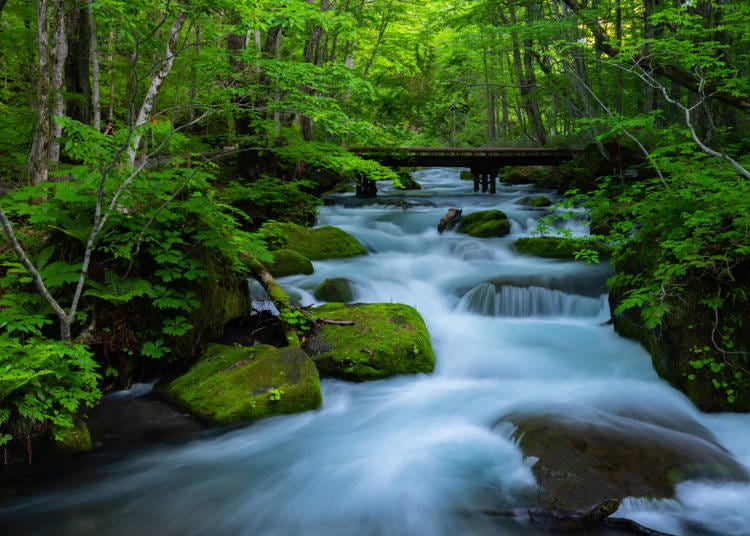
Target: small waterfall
(521,302)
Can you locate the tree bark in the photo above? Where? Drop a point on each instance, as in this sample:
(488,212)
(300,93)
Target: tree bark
(39,155)
(59,55)
(78,64)
(156,82)
(95,69)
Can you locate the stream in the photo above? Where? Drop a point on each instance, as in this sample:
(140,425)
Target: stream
(419,455)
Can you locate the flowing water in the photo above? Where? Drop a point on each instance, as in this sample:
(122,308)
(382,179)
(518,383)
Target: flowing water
(418,455)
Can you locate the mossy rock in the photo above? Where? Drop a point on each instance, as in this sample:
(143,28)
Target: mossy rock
(386,339)
(585,461)
(540,176)
(406,181)
(75,440)
(336,289)
(485,224)
(318,243)
(288,262)
(554,247)
(467,176)
(233,384)
(538,201)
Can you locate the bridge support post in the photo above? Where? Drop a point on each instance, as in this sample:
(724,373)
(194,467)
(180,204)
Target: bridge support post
(485,182)
(366,188)
(493,183)
(475,175)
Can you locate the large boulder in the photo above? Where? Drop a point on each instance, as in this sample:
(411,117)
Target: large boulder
(233,384)
(289,262)
(582,461)
(484,224)
(317,243)
(383,340)
(335,289)
(554,247)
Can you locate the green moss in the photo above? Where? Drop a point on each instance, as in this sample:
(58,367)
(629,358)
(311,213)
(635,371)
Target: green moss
(288,262)
(232,384)
(535,201)
(337,289)
(319,243)
(406,181)
(76,440)
(553,247)
(467,176)
(386,339)
(484,224)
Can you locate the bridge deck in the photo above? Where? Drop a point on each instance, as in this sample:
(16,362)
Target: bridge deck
(476,158)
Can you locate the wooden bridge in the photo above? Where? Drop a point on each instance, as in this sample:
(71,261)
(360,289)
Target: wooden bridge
(484,163)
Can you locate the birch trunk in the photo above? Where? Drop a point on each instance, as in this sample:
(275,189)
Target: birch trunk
(95,89)
(156,82)
(39,155)
(59,54)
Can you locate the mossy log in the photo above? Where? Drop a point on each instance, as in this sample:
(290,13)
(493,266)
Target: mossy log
(278,297)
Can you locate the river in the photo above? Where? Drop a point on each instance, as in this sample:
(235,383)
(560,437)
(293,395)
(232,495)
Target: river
(419,455)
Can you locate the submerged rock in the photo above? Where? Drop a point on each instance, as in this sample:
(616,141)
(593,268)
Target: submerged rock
(582,461)
(336,289)
(384,340)
(232,384)
(485,224)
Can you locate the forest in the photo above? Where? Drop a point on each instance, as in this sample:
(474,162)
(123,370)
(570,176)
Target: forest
(150,150)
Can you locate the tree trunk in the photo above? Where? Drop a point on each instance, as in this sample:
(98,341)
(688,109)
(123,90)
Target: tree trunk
(59,55)
(95,87)
(381,33)
(156,82)
(78,65)
(39,155)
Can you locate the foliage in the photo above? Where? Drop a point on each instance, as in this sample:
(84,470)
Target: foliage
(43,385)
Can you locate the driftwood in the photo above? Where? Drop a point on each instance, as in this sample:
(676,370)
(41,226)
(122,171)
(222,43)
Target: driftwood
(450,219)
(578,520)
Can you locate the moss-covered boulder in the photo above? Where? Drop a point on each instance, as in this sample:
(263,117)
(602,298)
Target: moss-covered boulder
(233,384)
(336,289)
(406,181)
(540,176)
(314,243)
(467,175)
(554,247)
(584,461)
(485,224)
(538,201)
(288,262)
(384,339)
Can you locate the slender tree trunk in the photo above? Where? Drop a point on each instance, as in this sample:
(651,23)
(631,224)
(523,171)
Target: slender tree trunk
(490,101)
(111,67)
(59,54)
(95,84)
(39,156)
(78,65)
(381,33)
(156,82)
